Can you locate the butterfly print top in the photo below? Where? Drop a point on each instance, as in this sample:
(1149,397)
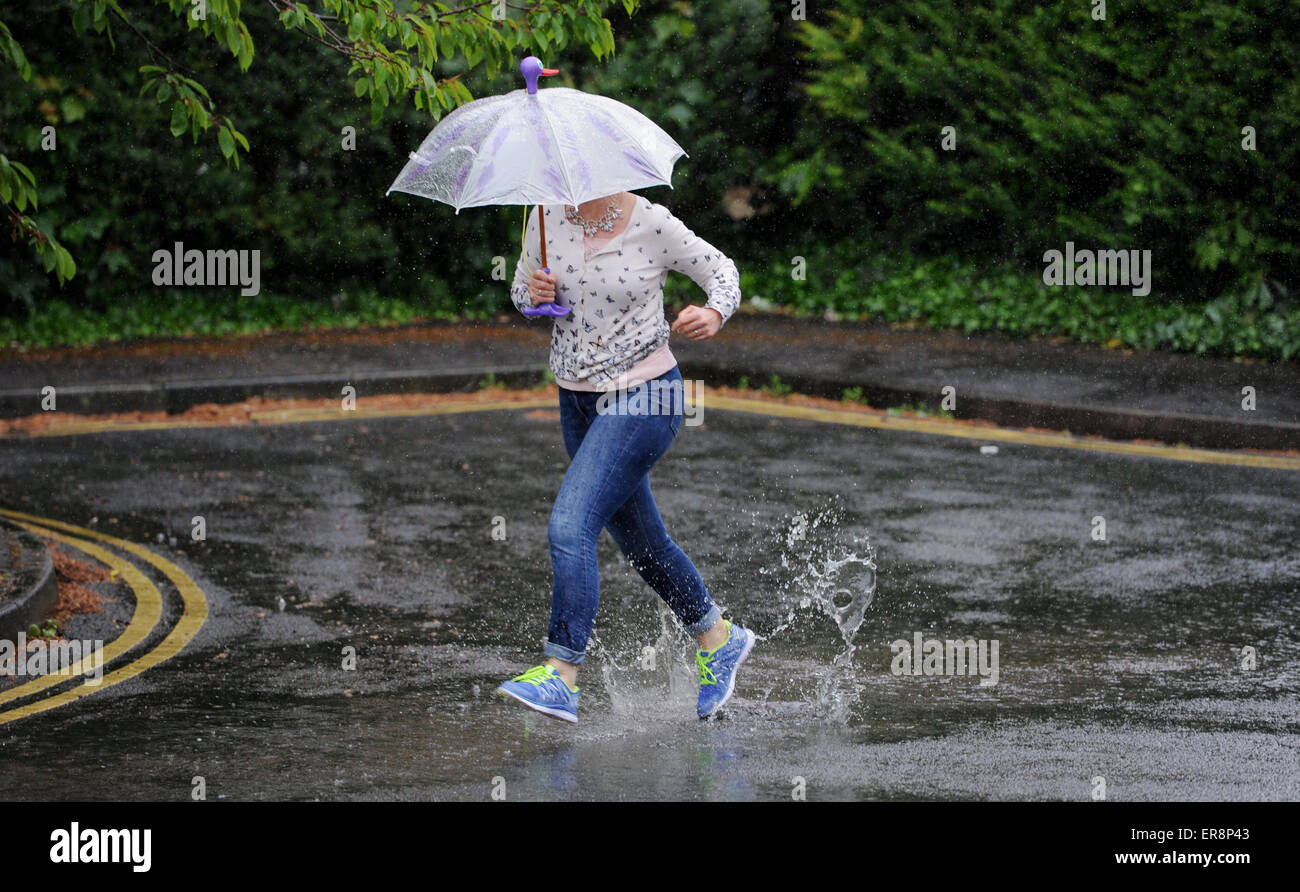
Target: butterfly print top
(617,296)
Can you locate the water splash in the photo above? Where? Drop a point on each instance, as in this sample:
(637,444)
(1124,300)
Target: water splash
(656,678)
(826,567)
(832,570)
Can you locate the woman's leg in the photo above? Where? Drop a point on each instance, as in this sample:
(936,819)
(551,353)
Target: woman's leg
(614,454)
(638,529)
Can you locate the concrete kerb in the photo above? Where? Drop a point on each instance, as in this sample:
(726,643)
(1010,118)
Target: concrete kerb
(1122,424)
(177,396)
(37,586)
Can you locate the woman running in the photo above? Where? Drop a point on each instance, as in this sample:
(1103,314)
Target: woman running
(620,409)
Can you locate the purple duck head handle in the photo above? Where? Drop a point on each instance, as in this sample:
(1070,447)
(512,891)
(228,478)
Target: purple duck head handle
(530,68)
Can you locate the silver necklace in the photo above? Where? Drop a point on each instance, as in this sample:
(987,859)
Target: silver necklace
(589,227)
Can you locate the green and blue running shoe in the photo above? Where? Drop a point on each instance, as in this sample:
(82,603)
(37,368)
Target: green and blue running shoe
(718,669)
(542,689)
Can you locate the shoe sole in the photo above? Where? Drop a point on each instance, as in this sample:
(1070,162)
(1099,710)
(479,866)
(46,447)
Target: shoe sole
(731,685)
(545,710)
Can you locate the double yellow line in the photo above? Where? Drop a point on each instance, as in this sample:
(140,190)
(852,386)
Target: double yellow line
(147,616)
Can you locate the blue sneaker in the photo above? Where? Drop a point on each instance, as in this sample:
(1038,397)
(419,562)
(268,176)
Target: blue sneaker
(542,689)
(718,668)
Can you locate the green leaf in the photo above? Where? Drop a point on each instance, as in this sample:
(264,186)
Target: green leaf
(180,122)
(226,141)
(67,266)
(245,49)
(24,170)
(430,45)
(198,87)
(81,18)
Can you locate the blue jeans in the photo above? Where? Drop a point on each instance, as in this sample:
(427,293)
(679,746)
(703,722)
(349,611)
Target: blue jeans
(608,486)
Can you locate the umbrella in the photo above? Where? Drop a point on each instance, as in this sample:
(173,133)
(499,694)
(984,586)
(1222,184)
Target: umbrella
(559,146)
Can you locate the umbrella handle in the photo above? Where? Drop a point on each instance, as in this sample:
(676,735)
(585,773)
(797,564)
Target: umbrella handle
(551,309)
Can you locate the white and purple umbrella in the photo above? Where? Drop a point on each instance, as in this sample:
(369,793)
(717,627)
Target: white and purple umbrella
(559,146)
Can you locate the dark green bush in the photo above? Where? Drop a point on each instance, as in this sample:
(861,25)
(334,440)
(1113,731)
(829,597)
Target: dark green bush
(1124,133)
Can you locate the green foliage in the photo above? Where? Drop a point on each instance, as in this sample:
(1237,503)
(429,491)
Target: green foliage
(50,629)
(718,77)
(381,50)
(17,194)
(860,282)
(876,282)
(18,185)
(57,322)
(11,53)
(775,387)
(819,139)
(1125,133)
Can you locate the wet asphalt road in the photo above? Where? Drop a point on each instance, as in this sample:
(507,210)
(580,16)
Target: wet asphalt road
(1118,659)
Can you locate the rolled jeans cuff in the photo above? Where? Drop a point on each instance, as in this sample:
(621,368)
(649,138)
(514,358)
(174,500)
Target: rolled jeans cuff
(708,622)
(560,652)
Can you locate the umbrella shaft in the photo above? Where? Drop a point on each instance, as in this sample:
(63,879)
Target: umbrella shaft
(541,221)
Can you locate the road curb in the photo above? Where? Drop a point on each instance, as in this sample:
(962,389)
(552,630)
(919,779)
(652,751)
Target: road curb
(1204,431)
(38,586)
(177,396)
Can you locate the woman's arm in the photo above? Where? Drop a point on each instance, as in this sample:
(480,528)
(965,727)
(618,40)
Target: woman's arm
(712,270)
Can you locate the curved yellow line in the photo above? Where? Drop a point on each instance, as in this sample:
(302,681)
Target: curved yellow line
(194,613)
(148,611)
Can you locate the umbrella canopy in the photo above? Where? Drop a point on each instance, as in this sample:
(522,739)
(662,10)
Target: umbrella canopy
(556,146)
(559,146)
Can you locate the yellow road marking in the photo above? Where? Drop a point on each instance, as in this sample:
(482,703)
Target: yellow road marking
(148,611)
(298,415)
(1003,434)
(760,407)
(194,613)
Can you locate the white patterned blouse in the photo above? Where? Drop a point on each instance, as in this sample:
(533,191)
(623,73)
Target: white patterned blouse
(617,296)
